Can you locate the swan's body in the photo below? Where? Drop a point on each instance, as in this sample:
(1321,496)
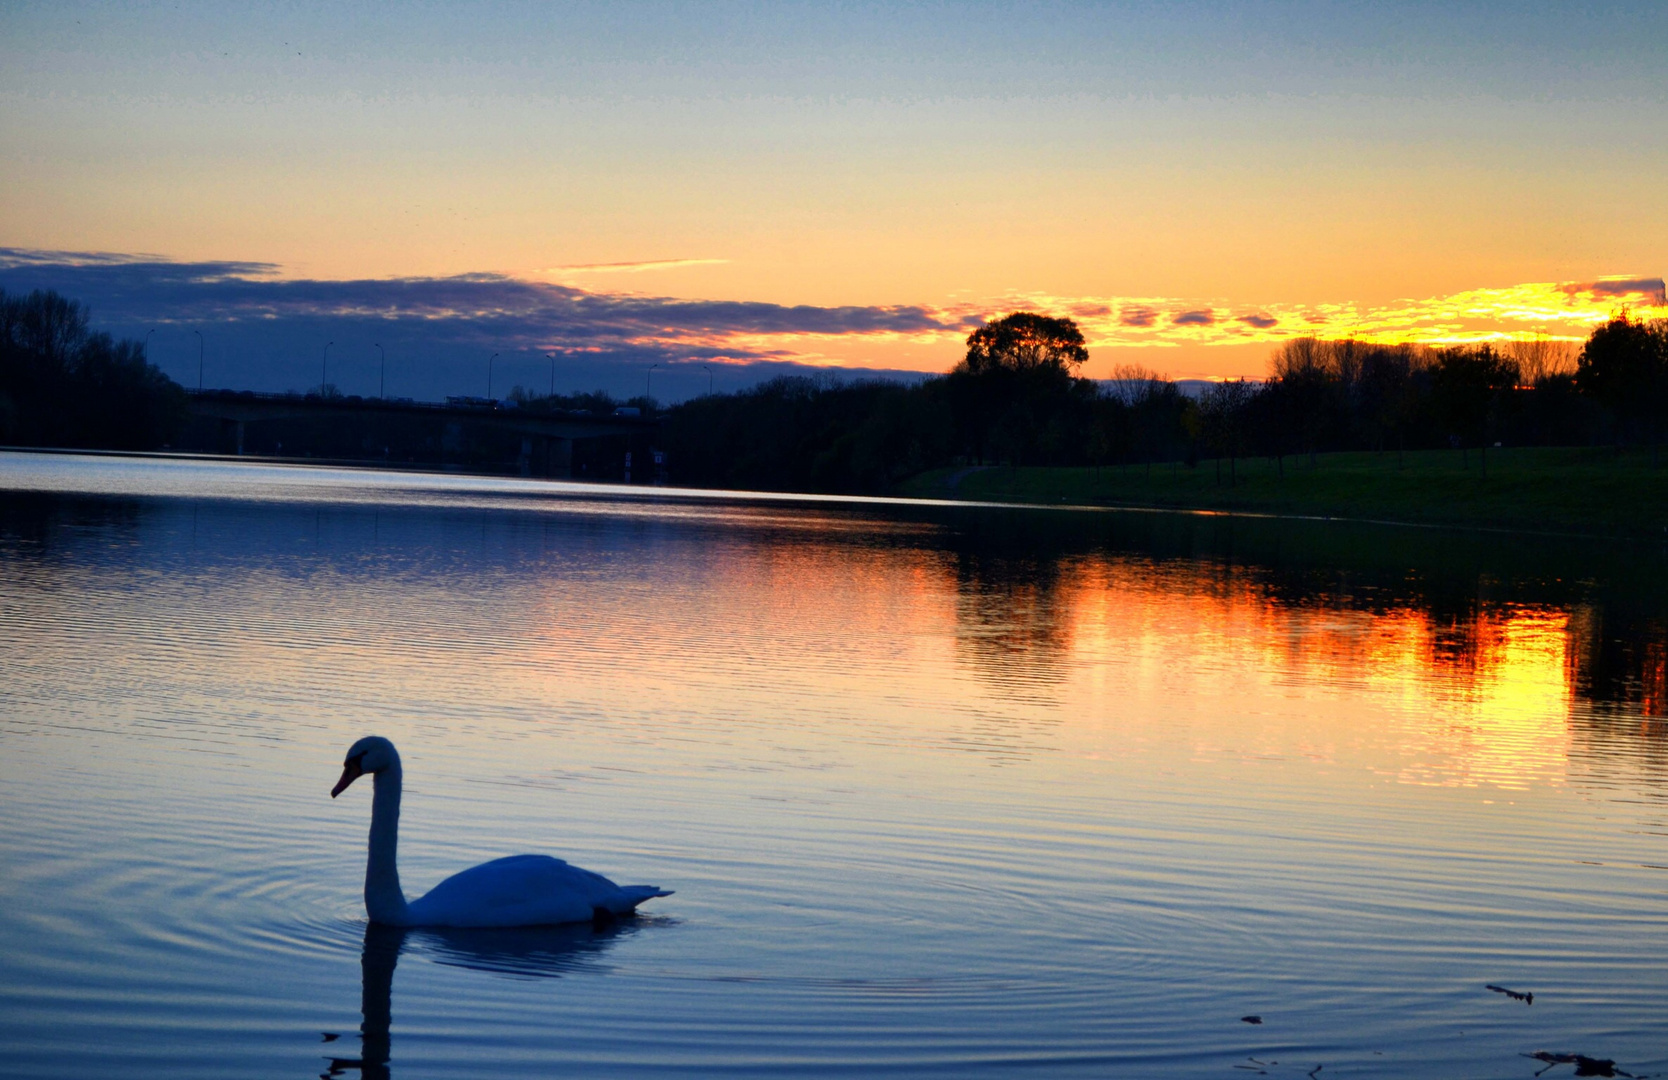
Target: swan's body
(521,890)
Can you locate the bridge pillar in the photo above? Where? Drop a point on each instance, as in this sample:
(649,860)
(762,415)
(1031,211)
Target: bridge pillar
(451,443)
(558,458)
(231,436)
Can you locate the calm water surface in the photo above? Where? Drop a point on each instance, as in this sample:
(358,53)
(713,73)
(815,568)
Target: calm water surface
(943,791)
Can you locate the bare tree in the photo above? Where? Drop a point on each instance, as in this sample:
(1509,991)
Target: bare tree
(1540,358)
(1222,410)
(1133,385)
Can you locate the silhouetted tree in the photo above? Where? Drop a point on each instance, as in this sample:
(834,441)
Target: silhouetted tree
(1470,392)
(1224,410)
(1624,367)
(1025,341)
(1151,413)
(1385,396)
(1541,358)
(1308,397)
(63,385)
(1015,396)
(808,434)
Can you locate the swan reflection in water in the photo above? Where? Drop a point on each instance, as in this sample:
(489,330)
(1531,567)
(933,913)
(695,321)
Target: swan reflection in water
(529,952)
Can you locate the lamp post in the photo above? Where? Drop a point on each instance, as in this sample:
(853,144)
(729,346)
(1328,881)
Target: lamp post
(648,376)
(324,368)
(709,380)
(148,334)
(199,334)
(490,359)
(552,373)
(382,377)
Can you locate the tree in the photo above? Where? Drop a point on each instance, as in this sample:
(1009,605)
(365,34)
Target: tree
(1223,410)
(1624,367)
(808,434)
(1015,396)
(1384,395)
(1023,342)
(1469,392)
(1307,394)
(1150,413)
(1541,358)
(63,385)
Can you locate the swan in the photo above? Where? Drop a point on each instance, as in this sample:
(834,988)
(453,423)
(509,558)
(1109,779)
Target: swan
(521,890)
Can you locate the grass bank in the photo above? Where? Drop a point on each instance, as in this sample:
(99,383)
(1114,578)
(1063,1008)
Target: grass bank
(1561,489)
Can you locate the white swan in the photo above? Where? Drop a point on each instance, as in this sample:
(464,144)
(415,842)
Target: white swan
(521,890)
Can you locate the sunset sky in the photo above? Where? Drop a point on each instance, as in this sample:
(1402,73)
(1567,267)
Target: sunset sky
(759,187)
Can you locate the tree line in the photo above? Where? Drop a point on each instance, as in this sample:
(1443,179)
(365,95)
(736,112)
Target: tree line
(1017,399)
(61,384)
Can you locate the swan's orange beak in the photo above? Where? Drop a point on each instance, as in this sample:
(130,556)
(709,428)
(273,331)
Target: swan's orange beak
(350,772)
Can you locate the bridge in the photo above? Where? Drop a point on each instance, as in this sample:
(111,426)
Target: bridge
(477,434)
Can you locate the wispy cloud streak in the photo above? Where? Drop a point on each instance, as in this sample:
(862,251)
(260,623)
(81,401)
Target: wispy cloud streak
(630,267)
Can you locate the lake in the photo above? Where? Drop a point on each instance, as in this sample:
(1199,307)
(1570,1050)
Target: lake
(943,791)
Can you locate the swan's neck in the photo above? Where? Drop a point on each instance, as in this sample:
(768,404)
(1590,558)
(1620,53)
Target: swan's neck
(384,902)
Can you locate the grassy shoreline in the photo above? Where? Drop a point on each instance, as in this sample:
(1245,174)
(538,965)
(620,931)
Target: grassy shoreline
(1585,490)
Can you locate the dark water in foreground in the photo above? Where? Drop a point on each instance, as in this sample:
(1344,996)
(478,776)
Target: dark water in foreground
(943,792)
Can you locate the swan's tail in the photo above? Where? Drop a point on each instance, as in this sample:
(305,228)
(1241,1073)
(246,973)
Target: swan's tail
(629,896)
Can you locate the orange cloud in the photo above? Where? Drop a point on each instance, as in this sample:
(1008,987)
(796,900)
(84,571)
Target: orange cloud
(1557,310)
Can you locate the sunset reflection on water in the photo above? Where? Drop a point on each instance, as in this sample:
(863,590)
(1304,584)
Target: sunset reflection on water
(1483,697)
(1079,789)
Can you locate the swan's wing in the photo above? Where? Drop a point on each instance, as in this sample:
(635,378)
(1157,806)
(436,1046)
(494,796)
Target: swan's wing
(521,890)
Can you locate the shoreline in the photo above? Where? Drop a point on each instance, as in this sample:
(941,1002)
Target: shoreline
(1569,493)
(1566,491)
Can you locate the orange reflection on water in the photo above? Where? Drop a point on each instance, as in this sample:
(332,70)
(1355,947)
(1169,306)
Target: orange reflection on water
(863,643)
(1481,698)
(1500,711)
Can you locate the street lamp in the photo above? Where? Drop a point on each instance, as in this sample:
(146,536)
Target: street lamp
(199,334)
(382,378)
(647,376)
(324,368)
(490,359)
(709,380)
(148,334)
(552,373)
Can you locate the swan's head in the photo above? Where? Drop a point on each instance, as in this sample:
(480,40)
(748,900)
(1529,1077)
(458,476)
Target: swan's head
(372,754)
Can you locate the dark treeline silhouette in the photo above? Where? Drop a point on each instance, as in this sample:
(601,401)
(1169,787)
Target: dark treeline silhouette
(1346,395)
(1016,399)
(63,385)
(809,434)
(591,403)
